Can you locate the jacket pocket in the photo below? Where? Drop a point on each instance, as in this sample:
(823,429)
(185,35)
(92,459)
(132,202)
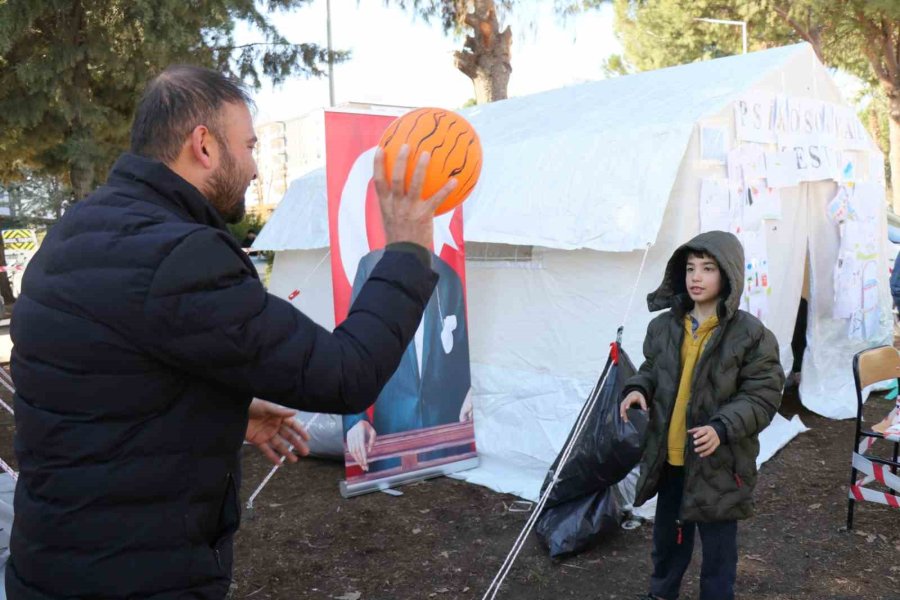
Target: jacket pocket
(743,470)
(230,512)
(228,524)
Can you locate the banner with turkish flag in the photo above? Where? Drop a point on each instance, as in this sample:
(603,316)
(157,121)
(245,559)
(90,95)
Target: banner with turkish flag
(421,425)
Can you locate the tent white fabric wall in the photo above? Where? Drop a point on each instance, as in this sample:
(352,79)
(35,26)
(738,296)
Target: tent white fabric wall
(590,175)
(316,299)
(7,490)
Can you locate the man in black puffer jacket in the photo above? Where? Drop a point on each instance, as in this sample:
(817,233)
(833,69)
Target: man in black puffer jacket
(143,333)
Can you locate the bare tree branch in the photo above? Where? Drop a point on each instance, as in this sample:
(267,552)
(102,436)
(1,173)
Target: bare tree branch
(875,61)
(465,62)
(806,33)
(255,44)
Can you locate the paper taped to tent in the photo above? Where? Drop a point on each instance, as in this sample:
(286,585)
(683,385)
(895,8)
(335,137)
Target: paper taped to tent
(578,182)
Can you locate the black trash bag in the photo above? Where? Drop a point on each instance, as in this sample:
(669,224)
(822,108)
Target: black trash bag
(582,504)
(608,448)
(578,524)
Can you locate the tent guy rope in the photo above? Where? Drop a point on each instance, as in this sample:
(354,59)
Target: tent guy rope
(506,567)
(292,295)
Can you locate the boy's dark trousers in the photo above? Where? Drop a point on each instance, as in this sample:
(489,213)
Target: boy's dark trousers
(671,558)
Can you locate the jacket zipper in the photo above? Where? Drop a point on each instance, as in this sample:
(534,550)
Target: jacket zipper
(734,472)
(713,345)
(665,435)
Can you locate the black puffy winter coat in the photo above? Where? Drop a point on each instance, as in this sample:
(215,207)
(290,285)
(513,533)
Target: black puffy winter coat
(141,336)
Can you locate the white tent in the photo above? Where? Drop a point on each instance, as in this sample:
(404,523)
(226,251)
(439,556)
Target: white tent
(7,490)
(581,180)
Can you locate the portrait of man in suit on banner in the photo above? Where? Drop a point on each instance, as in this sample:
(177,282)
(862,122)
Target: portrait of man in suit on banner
(432,384)
(422,423)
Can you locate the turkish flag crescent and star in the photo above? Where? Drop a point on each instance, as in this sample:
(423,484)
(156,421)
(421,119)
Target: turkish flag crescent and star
(354,216)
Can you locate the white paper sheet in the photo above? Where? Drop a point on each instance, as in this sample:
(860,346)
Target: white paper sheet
(766,200)
(753,117)
(713,143)
(716,213)
(756,282)
(812,158)
(780,171)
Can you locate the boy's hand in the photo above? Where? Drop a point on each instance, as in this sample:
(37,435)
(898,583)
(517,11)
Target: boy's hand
(706,440)
(629,401)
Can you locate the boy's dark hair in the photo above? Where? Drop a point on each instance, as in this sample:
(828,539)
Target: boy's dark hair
(691,253)
(175,102)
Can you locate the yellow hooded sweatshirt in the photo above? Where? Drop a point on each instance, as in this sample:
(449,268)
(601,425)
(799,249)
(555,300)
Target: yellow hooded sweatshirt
(696,336)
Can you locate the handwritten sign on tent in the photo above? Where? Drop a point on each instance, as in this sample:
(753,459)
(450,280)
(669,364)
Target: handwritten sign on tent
(810,137)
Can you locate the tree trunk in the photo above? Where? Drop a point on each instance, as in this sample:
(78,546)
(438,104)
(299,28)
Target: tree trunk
(810,31)
(81,165)
(894,154)
(81,175)
(486,56)
(6,290)
(875,124)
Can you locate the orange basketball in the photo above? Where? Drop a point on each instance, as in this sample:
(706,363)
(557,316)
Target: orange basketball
(454,147)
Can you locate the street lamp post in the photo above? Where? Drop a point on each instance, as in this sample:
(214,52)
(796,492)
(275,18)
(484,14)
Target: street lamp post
(330,54)
(743,25)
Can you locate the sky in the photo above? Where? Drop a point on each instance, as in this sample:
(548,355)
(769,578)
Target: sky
(399,59)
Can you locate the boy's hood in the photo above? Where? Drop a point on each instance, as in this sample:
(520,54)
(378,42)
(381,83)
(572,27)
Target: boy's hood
(728,252)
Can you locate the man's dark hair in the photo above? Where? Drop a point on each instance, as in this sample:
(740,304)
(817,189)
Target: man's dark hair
(175,102)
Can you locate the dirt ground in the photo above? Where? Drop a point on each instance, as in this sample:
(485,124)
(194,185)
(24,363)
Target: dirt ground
(445,539)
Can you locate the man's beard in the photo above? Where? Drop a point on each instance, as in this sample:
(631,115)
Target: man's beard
(226,189)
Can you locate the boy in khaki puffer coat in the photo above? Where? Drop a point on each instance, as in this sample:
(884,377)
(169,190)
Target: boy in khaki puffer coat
(712,381)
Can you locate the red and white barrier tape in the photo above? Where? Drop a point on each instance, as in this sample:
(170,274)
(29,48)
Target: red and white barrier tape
(874,472)
(865,444)
(6,381)
(863,494)
(893,431)
(9,469)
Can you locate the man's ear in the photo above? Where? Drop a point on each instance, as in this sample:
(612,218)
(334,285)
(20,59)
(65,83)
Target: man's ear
(201,142)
